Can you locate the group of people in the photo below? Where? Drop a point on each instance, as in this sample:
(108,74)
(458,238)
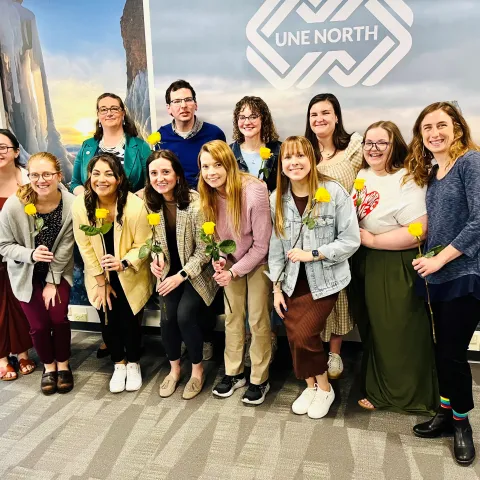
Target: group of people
(323,241)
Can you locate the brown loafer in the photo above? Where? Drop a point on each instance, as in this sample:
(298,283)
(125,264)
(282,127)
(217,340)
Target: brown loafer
(48,385)
(65,381)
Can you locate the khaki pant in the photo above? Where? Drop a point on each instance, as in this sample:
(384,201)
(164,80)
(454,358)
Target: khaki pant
(252,292)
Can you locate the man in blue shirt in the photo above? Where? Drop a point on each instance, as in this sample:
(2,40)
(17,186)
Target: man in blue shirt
(186,134)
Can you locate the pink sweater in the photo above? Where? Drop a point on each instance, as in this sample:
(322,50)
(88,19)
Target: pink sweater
(255,229)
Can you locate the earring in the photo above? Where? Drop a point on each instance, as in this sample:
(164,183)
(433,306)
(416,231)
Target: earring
(99,125)
(424,153)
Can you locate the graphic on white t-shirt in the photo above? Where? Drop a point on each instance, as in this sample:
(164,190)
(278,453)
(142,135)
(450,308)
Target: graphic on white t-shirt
(369,202)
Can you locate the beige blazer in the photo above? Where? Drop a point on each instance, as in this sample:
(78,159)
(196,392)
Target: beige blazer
(137,281)
(191,249)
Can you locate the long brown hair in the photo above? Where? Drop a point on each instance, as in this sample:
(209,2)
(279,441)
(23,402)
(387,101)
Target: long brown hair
(419,159)
(340,138)
(181,192)
(26,193)
(223,154)
(268,132)
(291,146)
(129,126)
(398,150)
(90,196)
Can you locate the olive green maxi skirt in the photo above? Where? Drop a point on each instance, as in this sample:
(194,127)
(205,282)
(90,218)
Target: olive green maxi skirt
(398,367)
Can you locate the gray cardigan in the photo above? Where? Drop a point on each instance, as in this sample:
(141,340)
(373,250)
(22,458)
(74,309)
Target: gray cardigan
(17,246)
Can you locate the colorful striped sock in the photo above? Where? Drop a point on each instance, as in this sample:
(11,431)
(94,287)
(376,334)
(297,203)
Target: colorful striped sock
(445,402)
(459,416)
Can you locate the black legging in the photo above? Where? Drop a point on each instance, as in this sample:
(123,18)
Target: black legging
(455,323)
(181,323)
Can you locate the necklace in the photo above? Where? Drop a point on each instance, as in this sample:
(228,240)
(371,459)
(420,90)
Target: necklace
(118,150)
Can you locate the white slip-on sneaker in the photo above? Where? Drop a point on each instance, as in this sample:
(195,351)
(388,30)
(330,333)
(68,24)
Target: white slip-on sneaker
(321,403)
(134,377)
(335,365)
(117,382)
(302,403)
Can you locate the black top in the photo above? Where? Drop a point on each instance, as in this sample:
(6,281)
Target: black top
(301,204)
(169,214)
(52,222)
(110,247)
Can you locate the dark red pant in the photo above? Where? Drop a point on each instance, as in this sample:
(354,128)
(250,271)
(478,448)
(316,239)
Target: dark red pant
(50,329)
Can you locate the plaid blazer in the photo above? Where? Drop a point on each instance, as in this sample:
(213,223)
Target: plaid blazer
(191,249)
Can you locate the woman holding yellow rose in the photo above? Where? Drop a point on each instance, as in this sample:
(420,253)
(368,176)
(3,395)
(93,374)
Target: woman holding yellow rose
(237,203)
(36,239)
(317,244)
(443,157)
(184,274)
(118,282)
(339,156)
(397,364)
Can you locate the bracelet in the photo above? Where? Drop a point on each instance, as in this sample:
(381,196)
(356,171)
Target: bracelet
(277,291)
(231,273)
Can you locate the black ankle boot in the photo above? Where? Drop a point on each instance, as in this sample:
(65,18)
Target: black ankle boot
(440,424)
(463,446)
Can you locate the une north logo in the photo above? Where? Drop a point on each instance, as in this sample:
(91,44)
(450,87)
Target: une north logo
(267,41)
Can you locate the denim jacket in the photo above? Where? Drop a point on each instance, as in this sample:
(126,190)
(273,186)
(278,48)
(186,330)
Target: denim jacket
(336,236)
(270,164)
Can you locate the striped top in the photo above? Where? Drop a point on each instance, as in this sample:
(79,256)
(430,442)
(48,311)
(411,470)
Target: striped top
(255,230)
(345,169)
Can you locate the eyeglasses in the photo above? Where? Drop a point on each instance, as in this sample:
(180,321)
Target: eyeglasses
(251,118)
(178,101)
(34,177)
(4,148)
(105,110)
(379,146)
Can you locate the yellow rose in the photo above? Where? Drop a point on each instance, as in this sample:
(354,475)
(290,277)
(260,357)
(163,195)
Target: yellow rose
(153,219)
(415,229)
(265,153)
(101,213)
(208,228)
(359,184)
(322,195)
(30,209)
(154,138)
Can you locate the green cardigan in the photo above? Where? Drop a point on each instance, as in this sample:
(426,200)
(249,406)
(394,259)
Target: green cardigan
(136,154)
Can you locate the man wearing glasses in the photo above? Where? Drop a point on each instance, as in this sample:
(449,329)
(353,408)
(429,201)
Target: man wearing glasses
(186,134)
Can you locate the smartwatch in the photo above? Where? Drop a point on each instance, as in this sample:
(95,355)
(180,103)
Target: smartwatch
(183,274)
(315,255)
(125,265)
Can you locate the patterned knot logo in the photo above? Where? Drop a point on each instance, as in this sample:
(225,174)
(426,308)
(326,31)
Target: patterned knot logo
(393,15)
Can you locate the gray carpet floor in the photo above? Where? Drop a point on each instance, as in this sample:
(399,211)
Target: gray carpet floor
(93,434)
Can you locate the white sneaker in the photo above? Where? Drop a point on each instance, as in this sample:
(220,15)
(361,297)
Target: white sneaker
(302,403)
(335,365)
(117,382)
(134,377)
(321,403)
(207,350)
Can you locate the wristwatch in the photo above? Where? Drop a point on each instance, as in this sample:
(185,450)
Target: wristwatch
(183,274)
(125,265)
(315,255)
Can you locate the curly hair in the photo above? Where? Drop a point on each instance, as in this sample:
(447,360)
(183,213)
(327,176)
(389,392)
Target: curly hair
(268,132)
(341,138)
(181,192)
(398,152)
(91,197)
(419,158)
(129,126)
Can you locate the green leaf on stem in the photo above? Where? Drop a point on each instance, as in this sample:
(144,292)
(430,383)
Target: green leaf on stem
(310,223)
(209,249)
(89,230)
(156,248)
(39,223)
(215,254)
(144,251)
(434,251)
(105,228)
(205,238)
(148,242)
(227,246)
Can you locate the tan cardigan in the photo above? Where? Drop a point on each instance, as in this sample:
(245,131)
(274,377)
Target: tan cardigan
(136,281)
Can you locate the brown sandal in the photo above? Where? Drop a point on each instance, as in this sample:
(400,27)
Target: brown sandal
(23,365)
(6,370)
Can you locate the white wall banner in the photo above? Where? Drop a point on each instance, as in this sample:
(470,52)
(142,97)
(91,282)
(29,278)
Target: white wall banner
(384,59)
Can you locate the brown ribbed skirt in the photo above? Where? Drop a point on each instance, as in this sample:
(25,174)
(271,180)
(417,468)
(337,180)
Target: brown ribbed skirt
(304,321)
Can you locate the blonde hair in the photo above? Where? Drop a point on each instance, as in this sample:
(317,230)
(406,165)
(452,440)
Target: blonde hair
(26,193)
(291,146)
(419,159)
(222,153)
